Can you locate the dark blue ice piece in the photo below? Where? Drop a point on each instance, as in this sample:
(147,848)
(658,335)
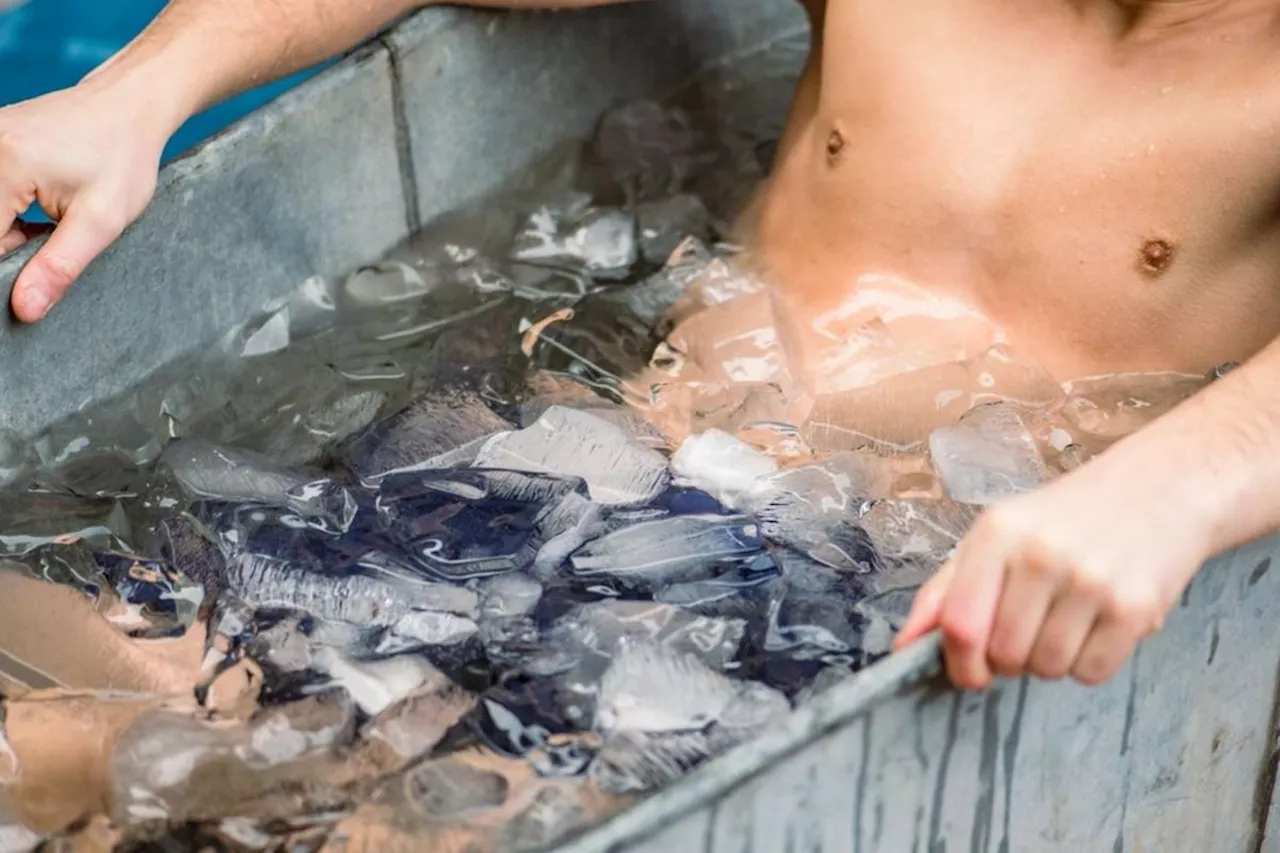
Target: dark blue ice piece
(462,524)
(427,428)
(682,500)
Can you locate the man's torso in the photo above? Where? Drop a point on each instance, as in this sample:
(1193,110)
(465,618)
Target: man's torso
(1102,183)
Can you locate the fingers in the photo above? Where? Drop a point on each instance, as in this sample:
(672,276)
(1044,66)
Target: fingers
(20,233)
(1066,629)
(78,238)
(923,617)
(1028,596)
(968,614)
(1110,644)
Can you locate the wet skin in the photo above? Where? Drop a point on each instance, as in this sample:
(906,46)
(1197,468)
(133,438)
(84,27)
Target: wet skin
(1100,179)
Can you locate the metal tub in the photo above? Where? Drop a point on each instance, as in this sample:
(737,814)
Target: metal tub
(1178,753)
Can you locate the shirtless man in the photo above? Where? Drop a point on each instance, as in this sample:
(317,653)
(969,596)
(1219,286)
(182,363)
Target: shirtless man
(1099,177)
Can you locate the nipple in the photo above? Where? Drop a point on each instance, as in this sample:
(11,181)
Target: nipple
(835,147)
(1155,257)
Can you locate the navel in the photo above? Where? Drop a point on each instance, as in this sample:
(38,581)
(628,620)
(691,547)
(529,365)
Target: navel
(835,146)
(1155,257)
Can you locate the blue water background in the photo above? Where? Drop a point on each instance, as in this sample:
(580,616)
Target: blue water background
(47,45)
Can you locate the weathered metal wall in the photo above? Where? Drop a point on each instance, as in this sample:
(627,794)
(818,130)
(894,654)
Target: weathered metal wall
(1176,754)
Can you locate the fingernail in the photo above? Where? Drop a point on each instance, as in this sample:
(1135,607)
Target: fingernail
(40,303)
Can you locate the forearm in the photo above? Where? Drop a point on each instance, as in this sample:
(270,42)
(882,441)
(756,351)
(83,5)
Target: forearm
(1215,458)
(197,53)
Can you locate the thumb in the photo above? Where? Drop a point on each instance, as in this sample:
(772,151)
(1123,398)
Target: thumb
(926,608)
(80,236)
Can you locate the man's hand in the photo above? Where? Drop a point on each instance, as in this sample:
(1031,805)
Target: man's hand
(90,157)
(1067,579)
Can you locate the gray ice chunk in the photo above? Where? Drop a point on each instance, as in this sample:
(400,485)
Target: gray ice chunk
(666,222)
(573,443)
(988,456)
(721,465)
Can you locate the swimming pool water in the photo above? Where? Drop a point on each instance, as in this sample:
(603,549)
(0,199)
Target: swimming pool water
(50,44)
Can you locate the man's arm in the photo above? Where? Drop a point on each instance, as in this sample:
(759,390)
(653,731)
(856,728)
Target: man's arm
(90,154)
(1068,579)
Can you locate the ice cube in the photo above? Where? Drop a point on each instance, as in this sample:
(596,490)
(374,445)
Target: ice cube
(647,147)
(720,464)
(556,811)
(168,766)
(367,601)
(915,530)
(602,627)
(375,685)
(744,591)
(990,455)
(390,283)
(600,241)
(893,415)
(414,725)
(650,688)
(1002,375)
(426,628)
(807,626)
(652,554)
(755,707)
(815,508)
(345,416)
(463,524)
(667,222)
(510,595)
(1109,407)
(206,471)
(573,443)
(636,762)
(447,789)
(429,427)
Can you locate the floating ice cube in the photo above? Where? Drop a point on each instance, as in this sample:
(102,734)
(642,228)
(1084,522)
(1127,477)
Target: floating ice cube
(667,222)
(426,628)
(653,554)
(601,241)
(389,283)
(572,443)
(429,427)
(510,595)
(463,524)
(206,471)
(646,147)
(742,591)
(754,708)
(375,685)
(815,508)
(168,765)
(649,688)
(357,599)
(990,455)
(636,762)
(447,789)
(601,628)
(720,464)
(917,530)
(1108,407)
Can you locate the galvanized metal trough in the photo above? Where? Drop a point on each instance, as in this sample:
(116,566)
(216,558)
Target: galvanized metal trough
(1178,753)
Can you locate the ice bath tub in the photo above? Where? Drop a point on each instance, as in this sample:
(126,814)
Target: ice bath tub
(1178,753)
